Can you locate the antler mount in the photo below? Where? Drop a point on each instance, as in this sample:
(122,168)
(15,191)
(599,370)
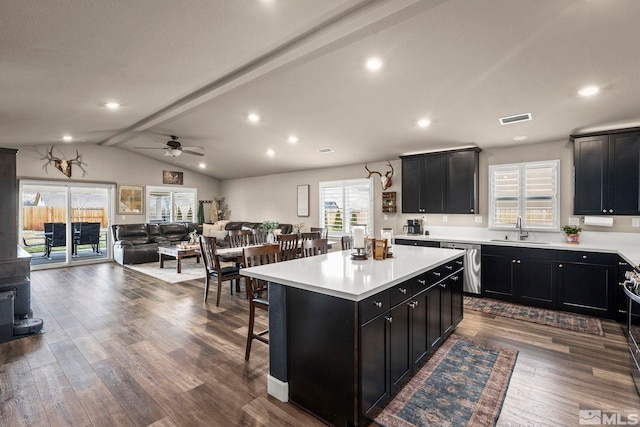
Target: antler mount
(385,179)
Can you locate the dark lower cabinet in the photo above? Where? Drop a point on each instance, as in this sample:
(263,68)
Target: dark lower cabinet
(398,341)
(410,242)
(520,275)
(587,283)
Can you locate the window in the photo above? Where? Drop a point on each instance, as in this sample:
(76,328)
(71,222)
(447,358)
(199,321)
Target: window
(528,190)
(344,204)
(170,205)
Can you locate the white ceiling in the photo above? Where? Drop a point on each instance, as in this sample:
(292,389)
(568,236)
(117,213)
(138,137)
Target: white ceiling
(197,68)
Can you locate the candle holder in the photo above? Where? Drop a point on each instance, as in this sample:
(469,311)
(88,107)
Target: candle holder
(358,256)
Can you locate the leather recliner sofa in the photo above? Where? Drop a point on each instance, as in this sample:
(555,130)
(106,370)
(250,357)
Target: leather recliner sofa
(138,243)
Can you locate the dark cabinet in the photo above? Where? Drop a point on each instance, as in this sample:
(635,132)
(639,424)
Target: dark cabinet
(410,242)
(520,275)
(444,182)
(401,327)
(607,173)
(587,283)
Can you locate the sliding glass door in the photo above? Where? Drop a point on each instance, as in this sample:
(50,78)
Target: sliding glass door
(64,223)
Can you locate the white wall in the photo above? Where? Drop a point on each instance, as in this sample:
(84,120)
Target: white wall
(274,196)
(109,165)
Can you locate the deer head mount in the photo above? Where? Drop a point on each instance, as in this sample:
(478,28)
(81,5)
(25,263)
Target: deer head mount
(385,179)
(62,165)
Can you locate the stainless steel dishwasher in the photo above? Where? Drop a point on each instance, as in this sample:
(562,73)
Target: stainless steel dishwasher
(472,259)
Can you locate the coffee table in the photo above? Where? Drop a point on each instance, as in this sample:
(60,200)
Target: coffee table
(165,252)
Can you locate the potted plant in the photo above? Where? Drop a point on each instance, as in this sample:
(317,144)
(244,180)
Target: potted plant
(269,227)
(573,233)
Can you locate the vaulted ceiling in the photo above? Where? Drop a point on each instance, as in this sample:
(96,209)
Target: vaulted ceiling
(197,69)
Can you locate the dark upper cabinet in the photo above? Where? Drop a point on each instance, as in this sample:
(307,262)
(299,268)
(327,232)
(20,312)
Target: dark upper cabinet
(444,182)
(607,174)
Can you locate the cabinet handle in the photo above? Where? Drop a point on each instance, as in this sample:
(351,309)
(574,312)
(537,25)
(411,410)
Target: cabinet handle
(584,257)
(455,278)
(448,267)
(415,244)
(513,260)
(518,261)
(443,285)
(459,262)
(435,273)
(389,319)
(415,303)
(422,282)
(377,304)
(622,263)
(402,291)
(610,210)
(471,210)
(604,211)
(560,266)
(412,305)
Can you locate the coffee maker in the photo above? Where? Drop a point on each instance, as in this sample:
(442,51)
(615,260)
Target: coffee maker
(414,226)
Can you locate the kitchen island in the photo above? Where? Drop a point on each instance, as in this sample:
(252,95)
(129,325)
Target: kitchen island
(345,335)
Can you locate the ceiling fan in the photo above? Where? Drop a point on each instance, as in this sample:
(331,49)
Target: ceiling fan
(174,148)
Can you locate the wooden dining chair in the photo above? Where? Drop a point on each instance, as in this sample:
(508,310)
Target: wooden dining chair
(347,243)
(315,247)
(259,237)
(213,270)
(288,246)
(310,235)
(257,289)
(324,232)
(239,238)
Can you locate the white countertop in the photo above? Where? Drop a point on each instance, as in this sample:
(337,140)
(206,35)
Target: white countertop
(336,274)
(626,245)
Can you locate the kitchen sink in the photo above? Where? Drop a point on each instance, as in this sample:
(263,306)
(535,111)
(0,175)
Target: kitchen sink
(528,242)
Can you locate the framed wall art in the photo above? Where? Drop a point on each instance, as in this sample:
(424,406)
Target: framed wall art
(172,177)
(130,199)
(303,200)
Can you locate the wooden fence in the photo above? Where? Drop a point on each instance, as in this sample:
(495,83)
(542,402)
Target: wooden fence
(34,217)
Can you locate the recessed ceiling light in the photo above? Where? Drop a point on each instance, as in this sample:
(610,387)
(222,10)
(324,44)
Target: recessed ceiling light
(423,123)
(253,118)
(67,138)
(520,138)
(112,105)
(373,64)
(202,165)
(589,91)
(293,139)
(270,152)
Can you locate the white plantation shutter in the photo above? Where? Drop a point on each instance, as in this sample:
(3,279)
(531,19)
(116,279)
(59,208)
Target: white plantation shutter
(344,204)
(169,205)
(528,190)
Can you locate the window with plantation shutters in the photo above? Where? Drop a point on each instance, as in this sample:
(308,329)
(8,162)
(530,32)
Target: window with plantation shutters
(344,204)
(169,205)
(526,190)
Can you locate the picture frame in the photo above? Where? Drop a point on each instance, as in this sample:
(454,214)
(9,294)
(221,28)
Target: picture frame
(303,200)
(130,199)
(172,177)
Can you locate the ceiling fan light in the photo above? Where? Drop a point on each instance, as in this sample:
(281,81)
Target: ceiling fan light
(173,152)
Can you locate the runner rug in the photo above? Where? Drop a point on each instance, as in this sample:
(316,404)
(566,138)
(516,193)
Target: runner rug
(190,270)
(559,319)
(463,384)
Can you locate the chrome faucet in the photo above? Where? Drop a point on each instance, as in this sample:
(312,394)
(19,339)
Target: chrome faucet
(522,235)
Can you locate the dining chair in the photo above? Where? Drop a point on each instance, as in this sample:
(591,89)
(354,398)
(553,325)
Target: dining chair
(347,243)
(324,232)
(288,246)
(239,238)
(258,289)
(259,237)
(213,270)
(315,247)
(310,235)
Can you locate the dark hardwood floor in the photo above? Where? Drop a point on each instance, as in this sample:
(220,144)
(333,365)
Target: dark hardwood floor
(124,349)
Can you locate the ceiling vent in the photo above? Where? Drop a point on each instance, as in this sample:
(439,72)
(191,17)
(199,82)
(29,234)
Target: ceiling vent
(515,119)
(324,150)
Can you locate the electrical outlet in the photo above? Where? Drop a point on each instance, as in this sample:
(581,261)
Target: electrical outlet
(445,218)
(477,219)
(386,217)
(574,221)
(635,222)
(124,217)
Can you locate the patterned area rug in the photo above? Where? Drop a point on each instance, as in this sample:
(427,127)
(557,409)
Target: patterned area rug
(190,270)
(463,384)
(559,319)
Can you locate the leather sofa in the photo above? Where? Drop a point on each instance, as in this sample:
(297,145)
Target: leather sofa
(138,243)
